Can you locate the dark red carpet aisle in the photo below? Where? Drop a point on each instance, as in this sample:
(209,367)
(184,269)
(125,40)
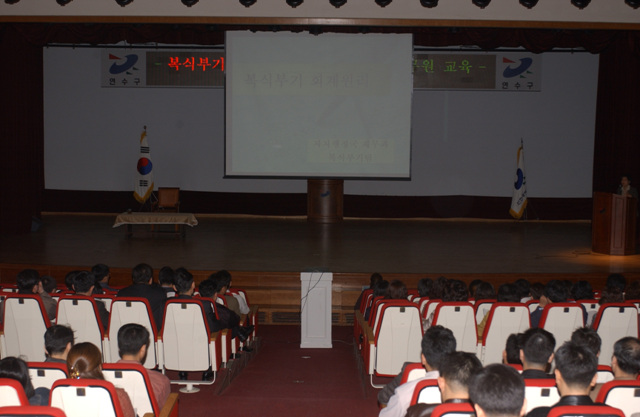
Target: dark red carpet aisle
(284,380)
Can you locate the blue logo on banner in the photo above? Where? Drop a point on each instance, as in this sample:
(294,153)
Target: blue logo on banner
(119,69)
(509,72)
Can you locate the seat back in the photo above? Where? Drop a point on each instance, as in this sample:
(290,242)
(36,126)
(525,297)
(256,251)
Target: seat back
(185,336)
(426,392)
(412,372)
(31,410)
(81,314)
(586,411)
(125,310)
(605,374)
(398,336)
(12,393)
(430,308)
(107,299)
(133,378)
(613,322)
(454,410)
(44,374)
(540,393)
(504,319)
(460,318)
(25,322)
(561,319)
(532,305)
(85,398)
(621,394)
(423,305)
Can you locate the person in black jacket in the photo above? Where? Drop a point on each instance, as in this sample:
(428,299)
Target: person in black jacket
(576,374)
(142,275)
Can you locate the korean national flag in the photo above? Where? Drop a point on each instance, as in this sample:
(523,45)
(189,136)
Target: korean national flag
(144,177)
(519,199)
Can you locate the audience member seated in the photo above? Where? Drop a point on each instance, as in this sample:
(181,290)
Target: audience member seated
(437,342)
(587,337)
(29,282)
(68,279)
(424,287)
(523,288)
(536,353)
(511,352)
(485,291)
(625,362)
(582,290)
(473,286)
(102,274)
(456,372)
(454,290)
(213,288)
(381,289)
(15,368)
(497,391)
(507,293)
(58,341)
(222,280)
(85,362)
(617,281)
(49,284)
(575,372)
(536,290)
(166,278)
(243,306)
(142,275)
(83,284)
(373,279)
(611,294)
(633,291)
(185,287)
(554,292)
(133,343)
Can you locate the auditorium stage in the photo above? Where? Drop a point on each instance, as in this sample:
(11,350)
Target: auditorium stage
(291,244)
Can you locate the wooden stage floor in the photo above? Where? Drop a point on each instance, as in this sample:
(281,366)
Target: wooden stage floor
(243,243)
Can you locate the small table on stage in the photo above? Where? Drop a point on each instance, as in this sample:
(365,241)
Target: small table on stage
(179,220)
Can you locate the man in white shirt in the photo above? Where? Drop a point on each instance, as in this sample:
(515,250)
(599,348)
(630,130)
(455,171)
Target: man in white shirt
(437,343)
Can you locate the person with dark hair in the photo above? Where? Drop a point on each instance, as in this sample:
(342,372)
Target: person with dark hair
(49,284)
(485,291)
(523,288)
(142,276)
(381,289)
(582,290)
(575,372)
(397,290)
(83,284)
(373,279)
(625,188)
(424,286)
(103,275)
(554,292)
(611,294)
(437,290)
(587,337)
(455,290)
(222,280)
(15,368)
(58,341)
(68,279)
(536,290)
(85,362)
(497,391)
(243,306)
(633,291)
(536,353)
(473,286)
(29,282)
(507,293)
(212,289)
(511,352)
(625,362)
(166,279)
(617,281)
(133,343)
(437,343)
(456,372)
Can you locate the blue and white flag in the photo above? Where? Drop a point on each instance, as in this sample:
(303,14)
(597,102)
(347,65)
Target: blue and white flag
(519,199)
(144,178)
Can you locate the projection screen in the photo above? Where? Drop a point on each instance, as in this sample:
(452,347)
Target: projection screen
(318,106)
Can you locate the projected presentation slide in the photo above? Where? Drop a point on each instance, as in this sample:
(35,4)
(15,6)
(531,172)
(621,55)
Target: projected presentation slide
(329,105)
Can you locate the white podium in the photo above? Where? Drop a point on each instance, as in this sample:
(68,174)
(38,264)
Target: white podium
(315,309)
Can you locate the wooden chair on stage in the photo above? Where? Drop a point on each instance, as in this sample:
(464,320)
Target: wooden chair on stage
(168,201)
